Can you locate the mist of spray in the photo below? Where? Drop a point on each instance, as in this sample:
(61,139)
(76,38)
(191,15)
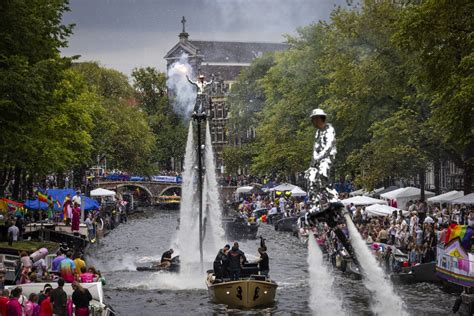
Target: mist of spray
(212,193)
(183,93)
(385,300)
(323,300)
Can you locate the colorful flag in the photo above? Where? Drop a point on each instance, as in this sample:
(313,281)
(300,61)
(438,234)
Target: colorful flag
(42,197)
(463,232)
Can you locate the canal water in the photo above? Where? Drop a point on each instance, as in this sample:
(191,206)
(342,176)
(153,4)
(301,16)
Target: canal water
(147,235)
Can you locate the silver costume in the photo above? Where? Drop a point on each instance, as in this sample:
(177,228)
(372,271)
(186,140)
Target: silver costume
(317,176)
(201,98)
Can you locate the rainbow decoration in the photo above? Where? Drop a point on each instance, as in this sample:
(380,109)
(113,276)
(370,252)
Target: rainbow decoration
(463,232)
(42,197)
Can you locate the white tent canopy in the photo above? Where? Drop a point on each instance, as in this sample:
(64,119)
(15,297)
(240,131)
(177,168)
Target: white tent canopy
(244,189)
(371,193)
(357,192)
(403,195)
(102,192)
(363,200)
(446,197)
(284,187)
(297,191)
(381,210)
(468,199)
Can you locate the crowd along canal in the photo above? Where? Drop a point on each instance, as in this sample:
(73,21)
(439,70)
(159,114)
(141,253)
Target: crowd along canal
(147,235)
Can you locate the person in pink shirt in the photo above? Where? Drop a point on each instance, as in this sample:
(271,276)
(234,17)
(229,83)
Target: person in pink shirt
(13,305)
(87,276)
(31,306)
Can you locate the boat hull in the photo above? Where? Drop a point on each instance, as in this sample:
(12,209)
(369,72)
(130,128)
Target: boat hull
(246,293)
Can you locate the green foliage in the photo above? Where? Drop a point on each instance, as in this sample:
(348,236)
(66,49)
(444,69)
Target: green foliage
(438,37)
(396,80)
(121,130)
(168,127)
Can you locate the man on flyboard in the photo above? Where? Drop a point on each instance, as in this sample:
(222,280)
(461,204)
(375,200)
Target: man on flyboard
(324,153)
(201,98)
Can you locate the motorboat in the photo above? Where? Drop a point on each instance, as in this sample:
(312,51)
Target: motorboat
(287,224)
(155,266)
(97,305)
(171,202)
(251,290)
(240,228)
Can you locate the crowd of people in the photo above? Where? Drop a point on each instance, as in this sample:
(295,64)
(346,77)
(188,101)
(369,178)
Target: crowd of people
(47,302)
(66,267)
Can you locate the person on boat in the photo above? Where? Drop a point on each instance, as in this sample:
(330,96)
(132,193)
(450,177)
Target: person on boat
(67,268)
(76,215)
(263,261)
(57,261)
(4,298)
(219,262)
(81,298)
(166,259)
(58,299)
(236,258)
(45,305)
(14,306)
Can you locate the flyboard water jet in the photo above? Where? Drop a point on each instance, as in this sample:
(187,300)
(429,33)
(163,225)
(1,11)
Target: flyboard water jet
(325,207)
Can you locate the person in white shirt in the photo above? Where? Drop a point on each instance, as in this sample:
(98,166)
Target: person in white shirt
(13,232)
(76,199)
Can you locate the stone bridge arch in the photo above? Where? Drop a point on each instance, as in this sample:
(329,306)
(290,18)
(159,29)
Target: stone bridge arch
(170,188)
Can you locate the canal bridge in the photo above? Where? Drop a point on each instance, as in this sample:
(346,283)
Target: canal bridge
(154,190)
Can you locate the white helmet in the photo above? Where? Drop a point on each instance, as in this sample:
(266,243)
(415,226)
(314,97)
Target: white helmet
(317,112)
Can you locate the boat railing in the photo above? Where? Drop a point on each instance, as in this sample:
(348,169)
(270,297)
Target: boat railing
(455,260)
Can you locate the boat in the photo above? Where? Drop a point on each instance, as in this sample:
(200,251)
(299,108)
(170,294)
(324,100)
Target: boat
(287,224)
(155,266)
(171,202)
(240,228)
(251,290)
(425,272)
(97,305)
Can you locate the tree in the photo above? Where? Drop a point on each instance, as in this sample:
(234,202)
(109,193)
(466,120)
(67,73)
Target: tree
(168,127)
(121,130)
(437,35)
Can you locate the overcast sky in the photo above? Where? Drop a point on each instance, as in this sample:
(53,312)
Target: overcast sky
(124,34)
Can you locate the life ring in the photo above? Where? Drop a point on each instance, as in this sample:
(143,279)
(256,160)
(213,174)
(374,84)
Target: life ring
(100,224)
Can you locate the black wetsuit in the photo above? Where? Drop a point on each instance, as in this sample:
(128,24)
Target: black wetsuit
(234,256)
(166,255)
(263,264)
(219,264)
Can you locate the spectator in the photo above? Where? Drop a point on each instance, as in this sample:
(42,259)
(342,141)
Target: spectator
(58,299)
(45,305)
(13,305)
(57,261)
(31,306)
(4,298)
(67,268)
(81,298)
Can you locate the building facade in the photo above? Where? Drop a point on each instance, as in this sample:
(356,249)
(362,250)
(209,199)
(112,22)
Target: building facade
(223,61)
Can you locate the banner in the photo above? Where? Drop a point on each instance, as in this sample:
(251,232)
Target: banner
(166,179)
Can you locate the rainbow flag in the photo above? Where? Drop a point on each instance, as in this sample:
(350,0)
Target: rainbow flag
(463,232)
(42,197)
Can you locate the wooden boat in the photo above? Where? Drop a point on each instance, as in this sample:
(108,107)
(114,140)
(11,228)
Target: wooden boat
(248,292)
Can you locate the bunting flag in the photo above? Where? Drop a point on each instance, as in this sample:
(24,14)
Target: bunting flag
(463,232)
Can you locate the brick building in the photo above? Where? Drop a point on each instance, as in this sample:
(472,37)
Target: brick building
(224,60)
